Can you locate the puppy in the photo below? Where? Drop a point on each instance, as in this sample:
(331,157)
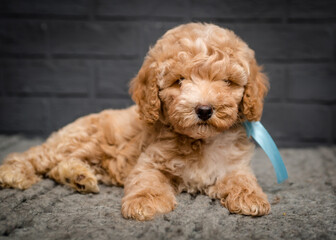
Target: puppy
(195,88)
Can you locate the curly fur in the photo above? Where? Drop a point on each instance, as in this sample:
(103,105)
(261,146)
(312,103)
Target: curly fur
(160,147)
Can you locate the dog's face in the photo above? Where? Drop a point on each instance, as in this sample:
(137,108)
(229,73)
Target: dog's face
(201,80)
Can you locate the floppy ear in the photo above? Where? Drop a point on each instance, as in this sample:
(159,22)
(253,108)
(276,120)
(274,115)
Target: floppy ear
(254,93)
(144,91)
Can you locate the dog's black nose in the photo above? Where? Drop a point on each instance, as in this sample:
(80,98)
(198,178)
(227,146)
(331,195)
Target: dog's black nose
(204,112)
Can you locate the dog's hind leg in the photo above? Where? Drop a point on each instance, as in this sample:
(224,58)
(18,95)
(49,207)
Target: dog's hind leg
(21,170)
(76,174)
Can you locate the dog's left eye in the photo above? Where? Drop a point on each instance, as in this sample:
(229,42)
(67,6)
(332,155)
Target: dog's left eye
(228,82)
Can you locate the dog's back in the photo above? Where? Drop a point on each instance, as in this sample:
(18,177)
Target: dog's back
(98,147)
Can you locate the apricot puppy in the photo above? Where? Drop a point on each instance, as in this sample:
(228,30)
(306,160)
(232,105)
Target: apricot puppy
(195,88)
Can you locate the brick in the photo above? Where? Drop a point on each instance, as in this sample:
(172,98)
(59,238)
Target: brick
(113,77)
(280,42)
(47,76)
(45,7)
(297,122)
(334,46)
(131,8)
(240,9)
(115,103)
(22,37)
(312,82)
(308,9)
(2,82)
(22,115)
(277,77)
(109,38)
(66,110)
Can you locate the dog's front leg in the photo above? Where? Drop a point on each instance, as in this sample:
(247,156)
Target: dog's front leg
(147,192)
(240,193)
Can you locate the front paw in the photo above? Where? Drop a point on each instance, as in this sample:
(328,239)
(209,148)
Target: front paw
(253,204)
(145,205)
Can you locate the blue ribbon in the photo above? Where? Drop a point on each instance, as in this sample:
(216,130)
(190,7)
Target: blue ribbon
(265,141)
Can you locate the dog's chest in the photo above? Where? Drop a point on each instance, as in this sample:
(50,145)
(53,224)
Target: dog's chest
(218,157)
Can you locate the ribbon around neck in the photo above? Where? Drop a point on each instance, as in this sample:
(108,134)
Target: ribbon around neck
(257,131)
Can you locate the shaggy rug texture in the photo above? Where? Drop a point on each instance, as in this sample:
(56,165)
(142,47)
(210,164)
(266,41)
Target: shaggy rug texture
(303,207)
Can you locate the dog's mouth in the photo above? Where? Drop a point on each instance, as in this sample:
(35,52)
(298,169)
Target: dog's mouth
(199,130)
(203,124)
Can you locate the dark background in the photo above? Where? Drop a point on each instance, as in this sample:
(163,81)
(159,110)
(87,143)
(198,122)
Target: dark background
(61,59)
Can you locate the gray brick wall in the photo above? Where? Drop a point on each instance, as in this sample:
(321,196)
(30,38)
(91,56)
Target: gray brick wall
(61,59)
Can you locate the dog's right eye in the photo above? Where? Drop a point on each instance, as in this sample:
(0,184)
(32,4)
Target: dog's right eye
(179,81)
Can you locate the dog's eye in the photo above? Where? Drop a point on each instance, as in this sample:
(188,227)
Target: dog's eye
(228,82)
(179,81)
